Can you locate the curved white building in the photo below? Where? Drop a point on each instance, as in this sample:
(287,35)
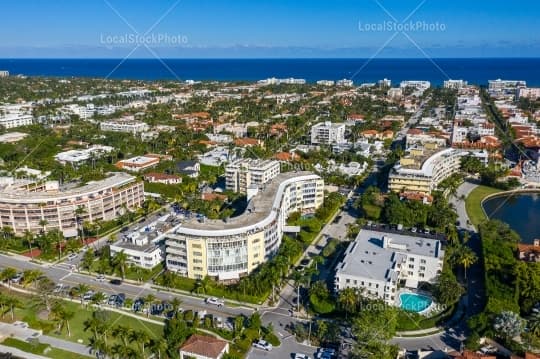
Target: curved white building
(23,208)
(227,250)
(420,173)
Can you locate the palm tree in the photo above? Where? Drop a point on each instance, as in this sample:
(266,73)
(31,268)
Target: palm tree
(29,238)
(62,316)
(43,223)
(158,346)
(202,285)
(7,274)
(347,300)
(31,276)
(120,260)
(121,332)
(175,304)
(98,299)
(467,258)
(141,338)
(533,324)
(12,303)
(80,290)
(79,212)
(149,301)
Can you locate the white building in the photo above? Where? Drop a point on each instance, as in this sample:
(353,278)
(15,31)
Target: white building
(326,82)
(345,83)
(328,133)
(505,84)
(455,84)
(245,173)
(377,262)
(78,157)
(144,245)
(124,125)
(12,120)
(4,73)
(12,137)
(419,85)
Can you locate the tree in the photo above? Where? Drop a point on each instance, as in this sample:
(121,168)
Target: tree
(30,276)
(255,322)
(7,274)
(88,259)
(467,258)
(202,285)
(533,324)
(347,300)
(80,290)
(29,239)
(238,324)
(79,212)
(158,346)
(508,325)
(98,299)
(119,261)
(141,338)
(447,289)
(62,316)
(12,303)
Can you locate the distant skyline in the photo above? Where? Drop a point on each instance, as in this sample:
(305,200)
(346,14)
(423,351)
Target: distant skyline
(268,29)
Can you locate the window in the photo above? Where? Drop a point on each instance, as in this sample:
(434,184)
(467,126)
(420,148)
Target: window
(422,268)
(197,254)
(196,245)
(347,280)
(423,261)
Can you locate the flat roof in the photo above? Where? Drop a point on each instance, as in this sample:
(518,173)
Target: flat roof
(259,208)
(367,258)
(117,179)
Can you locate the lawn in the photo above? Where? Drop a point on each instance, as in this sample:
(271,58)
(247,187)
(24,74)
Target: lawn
(473,204)
(27,313)
(41,349)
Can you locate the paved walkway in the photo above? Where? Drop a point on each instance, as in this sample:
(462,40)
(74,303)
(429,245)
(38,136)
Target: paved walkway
(19,353)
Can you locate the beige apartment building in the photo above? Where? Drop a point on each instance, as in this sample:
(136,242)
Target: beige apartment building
(228,250)
(23,206)
(245,173)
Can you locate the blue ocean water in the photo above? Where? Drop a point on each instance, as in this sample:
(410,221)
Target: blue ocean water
(476,71)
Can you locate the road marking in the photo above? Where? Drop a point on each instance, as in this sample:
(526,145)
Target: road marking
(67,275)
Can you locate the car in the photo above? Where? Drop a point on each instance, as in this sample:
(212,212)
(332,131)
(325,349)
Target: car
(72,256)
(120,299)
(323,355)
(100,278)
(305,262)
(138,304)
(301,356)
(89,295)
(115,281)
(262,344)
(337,219)
(17,278)
(112,300)
(215,301)
(413,229)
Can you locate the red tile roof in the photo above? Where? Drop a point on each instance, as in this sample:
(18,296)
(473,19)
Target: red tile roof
(203,345)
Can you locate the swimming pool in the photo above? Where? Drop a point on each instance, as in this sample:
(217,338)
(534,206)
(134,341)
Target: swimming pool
(414,302)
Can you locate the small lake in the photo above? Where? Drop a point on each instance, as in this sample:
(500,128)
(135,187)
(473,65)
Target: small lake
(520,211)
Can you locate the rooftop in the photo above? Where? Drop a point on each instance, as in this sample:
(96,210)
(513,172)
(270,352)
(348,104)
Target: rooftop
(204,346)
(259,208)
(367,257)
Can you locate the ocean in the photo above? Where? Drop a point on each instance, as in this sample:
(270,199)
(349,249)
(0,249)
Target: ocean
(476,71)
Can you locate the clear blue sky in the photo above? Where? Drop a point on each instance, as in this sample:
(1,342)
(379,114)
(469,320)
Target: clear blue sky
(264,28)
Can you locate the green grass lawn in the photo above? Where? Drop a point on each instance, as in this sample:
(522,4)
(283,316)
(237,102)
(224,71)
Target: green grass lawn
(41,349)
(473,204)
(27,313)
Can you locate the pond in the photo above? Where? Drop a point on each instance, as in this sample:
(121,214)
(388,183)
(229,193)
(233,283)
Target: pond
(520,211)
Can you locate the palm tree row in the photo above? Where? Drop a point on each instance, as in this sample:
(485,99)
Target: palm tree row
(119,341)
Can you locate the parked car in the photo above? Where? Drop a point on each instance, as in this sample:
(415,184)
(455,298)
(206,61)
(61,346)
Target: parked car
(112,300)
(215,301)
(115,281)
(72,256)
(301,356)
(17,278)
(262,344)
(100,278)
(89,295)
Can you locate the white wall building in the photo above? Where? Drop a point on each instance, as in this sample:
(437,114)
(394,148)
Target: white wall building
(12,120)
(245,173)
(455,84)
(328,133)
(419,85)
(377,262)
(78,157)
(124,125)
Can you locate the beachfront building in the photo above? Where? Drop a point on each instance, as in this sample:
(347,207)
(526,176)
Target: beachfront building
(229,249)
(455,84)
(245,173)
(4,73)
(379,262)
(24,204)
(423,168)
(326,133)
(418,85)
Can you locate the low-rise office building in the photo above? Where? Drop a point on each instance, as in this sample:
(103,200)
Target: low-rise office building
(229,249)
(78,157)
(24,206)
(380,262)
(423,168)
(12,120)
(245,173)
(124,125)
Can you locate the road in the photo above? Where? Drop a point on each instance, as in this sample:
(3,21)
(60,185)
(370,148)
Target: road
(61,273)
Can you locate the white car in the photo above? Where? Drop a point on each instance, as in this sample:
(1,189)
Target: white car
(215,301)
(17,278)
(89,295)
(72,256)
(301,356)
(100,278)
(262,344)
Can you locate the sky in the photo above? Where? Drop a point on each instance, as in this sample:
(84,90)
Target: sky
(264,28)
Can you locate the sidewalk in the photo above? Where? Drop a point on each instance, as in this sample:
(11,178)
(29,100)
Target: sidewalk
(19,353)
